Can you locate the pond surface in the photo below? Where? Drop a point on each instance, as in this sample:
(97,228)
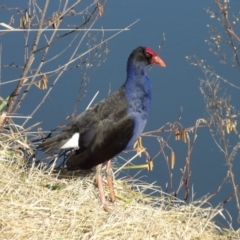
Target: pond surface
(176,87)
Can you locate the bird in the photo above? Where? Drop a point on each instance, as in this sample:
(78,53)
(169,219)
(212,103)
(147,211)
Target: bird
(112,125)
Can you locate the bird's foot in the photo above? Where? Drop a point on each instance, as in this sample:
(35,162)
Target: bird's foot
(109,206)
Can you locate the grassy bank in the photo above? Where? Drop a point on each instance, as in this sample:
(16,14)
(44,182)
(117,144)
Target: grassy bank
(40,205)
(36,204)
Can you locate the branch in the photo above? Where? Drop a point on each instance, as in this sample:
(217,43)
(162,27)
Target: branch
(71,60)
(28,64)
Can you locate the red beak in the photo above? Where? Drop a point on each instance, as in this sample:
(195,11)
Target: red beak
(158,61)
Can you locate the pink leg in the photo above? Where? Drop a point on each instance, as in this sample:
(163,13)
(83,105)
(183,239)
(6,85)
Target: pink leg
(109,180)
(100,183)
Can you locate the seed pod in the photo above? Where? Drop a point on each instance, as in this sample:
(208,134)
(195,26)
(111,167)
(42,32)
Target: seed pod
(100,9)
(150,165)
(44,81)
(177,134)
(172,159)
(21,23)
(227,128)
(26,16)
(184,135)
(24,22)
(138,146)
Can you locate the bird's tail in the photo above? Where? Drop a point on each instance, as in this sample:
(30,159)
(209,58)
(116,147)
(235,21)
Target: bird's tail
(54,143)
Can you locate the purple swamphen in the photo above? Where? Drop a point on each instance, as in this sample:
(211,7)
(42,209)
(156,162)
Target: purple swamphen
(112,125)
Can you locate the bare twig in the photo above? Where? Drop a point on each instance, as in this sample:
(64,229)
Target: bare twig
(15,93)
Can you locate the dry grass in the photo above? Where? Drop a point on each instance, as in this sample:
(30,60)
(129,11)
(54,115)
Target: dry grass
(36,204)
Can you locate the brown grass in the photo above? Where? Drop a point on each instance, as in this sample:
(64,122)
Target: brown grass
(36,204)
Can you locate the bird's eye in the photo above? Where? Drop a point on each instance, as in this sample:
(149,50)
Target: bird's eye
(147,55)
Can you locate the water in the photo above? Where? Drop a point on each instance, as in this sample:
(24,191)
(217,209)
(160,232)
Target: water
(184,24)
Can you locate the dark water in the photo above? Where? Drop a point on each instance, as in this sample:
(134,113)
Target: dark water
(184,24)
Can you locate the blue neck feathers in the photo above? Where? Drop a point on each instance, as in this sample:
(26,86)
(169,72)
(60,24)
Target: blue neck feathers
(137,86)
(137,90)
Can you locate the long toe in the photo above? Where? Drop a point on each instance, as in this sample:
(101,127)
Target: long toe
(109,206)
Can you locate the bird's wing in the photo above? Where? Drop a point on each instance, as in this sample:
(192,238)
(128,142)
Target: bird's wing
(82,129)
(111,138)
